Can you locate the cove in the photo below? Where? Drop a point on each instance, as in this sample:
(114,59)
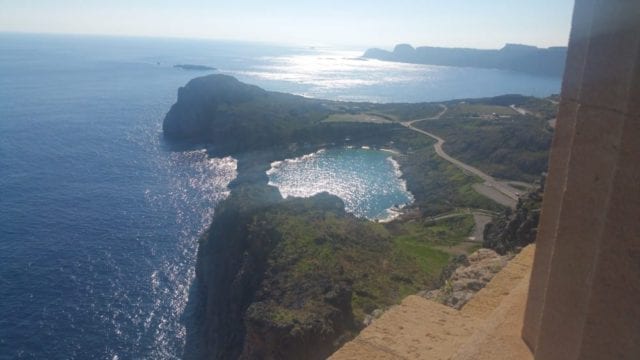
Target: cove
(368,181)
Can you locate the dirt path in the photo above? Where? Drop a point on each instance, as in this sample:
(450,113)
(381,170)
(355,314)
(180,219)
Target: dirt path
(487,190)
(499,191)
(519,110)
(463,212)
(480,218)
(434,117)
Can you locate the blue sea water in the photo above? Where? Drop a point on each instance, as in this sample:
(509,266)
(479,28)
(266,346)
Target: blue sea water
(99,217)
(368,181)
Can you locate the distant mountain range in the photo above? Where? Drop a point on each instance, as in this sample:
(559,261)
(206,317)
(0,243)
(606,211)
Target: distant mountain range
(514,57)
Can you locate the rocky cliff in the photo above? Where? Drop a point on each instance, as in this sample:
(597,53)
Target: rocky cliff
(258,302)
(503,237)
(467,276)
(234,116)
(293,279)
(513,230)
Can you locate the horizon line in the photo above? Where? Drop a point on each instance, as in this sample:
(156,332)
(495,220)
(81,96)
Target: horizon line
(261,42)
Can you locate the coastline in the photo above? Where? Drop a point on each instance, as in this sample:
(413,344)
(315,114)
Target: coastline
(213,264)
(302,270)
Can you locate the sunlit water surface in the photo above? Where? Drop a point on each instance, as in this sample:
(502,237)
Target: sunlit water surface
(368,181)
(99,218)
(343,75)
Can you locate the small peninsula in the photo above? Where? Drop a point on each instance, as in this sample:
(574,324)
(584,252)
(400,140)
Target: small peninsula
(296,278)
(513,57)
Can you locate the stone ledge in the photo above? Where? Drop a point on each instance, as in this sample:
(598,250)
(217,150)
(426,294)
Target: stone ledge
(419,328)
(490,297)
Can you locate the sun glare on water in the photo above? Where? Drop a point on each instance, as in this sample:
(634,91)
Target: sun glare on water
(368,181)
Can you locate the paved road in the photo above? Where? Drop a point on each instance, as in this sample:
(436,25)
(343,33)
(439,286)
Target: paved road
(463,212)
(435,117)
(510,194)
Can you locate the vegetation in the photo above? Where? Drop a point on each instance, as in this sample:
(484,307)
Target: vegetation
(408,111)
(315,269)
(512,146)
(467,109)
(299,267)
(446,232)
(437,185)
(391,112)
(360,117)
(308,244)
(513,230)
(324,246)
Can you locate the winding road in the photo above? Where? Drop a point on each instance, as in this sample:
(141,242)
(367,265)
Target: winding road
(519,110)
(499,191)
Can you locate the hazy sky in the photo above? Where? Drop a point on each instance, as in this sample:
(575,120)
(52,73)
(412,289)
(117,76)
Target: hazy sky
(470,23)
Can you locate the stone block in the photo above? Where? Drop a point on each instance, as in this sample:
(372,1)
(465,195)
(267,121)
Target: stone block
(554,190)
(592,162)
(578,47)
(612,326)
(633,99)
(612,53)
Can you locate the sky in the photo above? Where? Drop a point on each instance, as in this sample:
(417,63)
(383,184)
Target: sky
(365,23)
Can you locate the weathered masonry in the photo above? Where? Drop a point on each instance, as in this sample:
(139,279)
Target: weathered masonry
(584,294)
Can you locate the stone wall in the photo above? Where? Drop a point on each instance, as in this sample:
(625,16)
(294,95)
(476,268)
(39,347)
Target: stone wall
(584,294)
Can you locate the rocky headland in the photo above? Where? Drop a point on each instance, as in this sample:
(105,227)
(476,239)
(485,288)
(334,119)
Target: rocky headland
(514,57)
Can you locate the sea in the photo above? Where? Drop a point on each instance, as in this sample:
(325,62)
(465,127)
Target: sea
(100,217)
(368,181)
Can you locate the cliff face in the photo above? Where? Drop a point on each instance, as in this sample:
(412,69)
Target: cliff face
(294,278)
(251,309)
(515,57)
(228,271)
(234,116)
(272,285)
(515,229)
(471,274)
(270,281)
(201,106)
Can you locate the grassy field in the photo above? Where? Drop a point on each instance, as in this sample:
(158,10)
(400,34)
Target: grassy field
(437,185)
(318,245)
(514,148)
(467,109)
(360,117)
(447,232)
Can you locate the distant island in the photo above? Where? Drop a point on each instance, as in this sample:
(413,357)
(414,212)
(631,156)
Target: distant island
(194,67)
(514,57)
